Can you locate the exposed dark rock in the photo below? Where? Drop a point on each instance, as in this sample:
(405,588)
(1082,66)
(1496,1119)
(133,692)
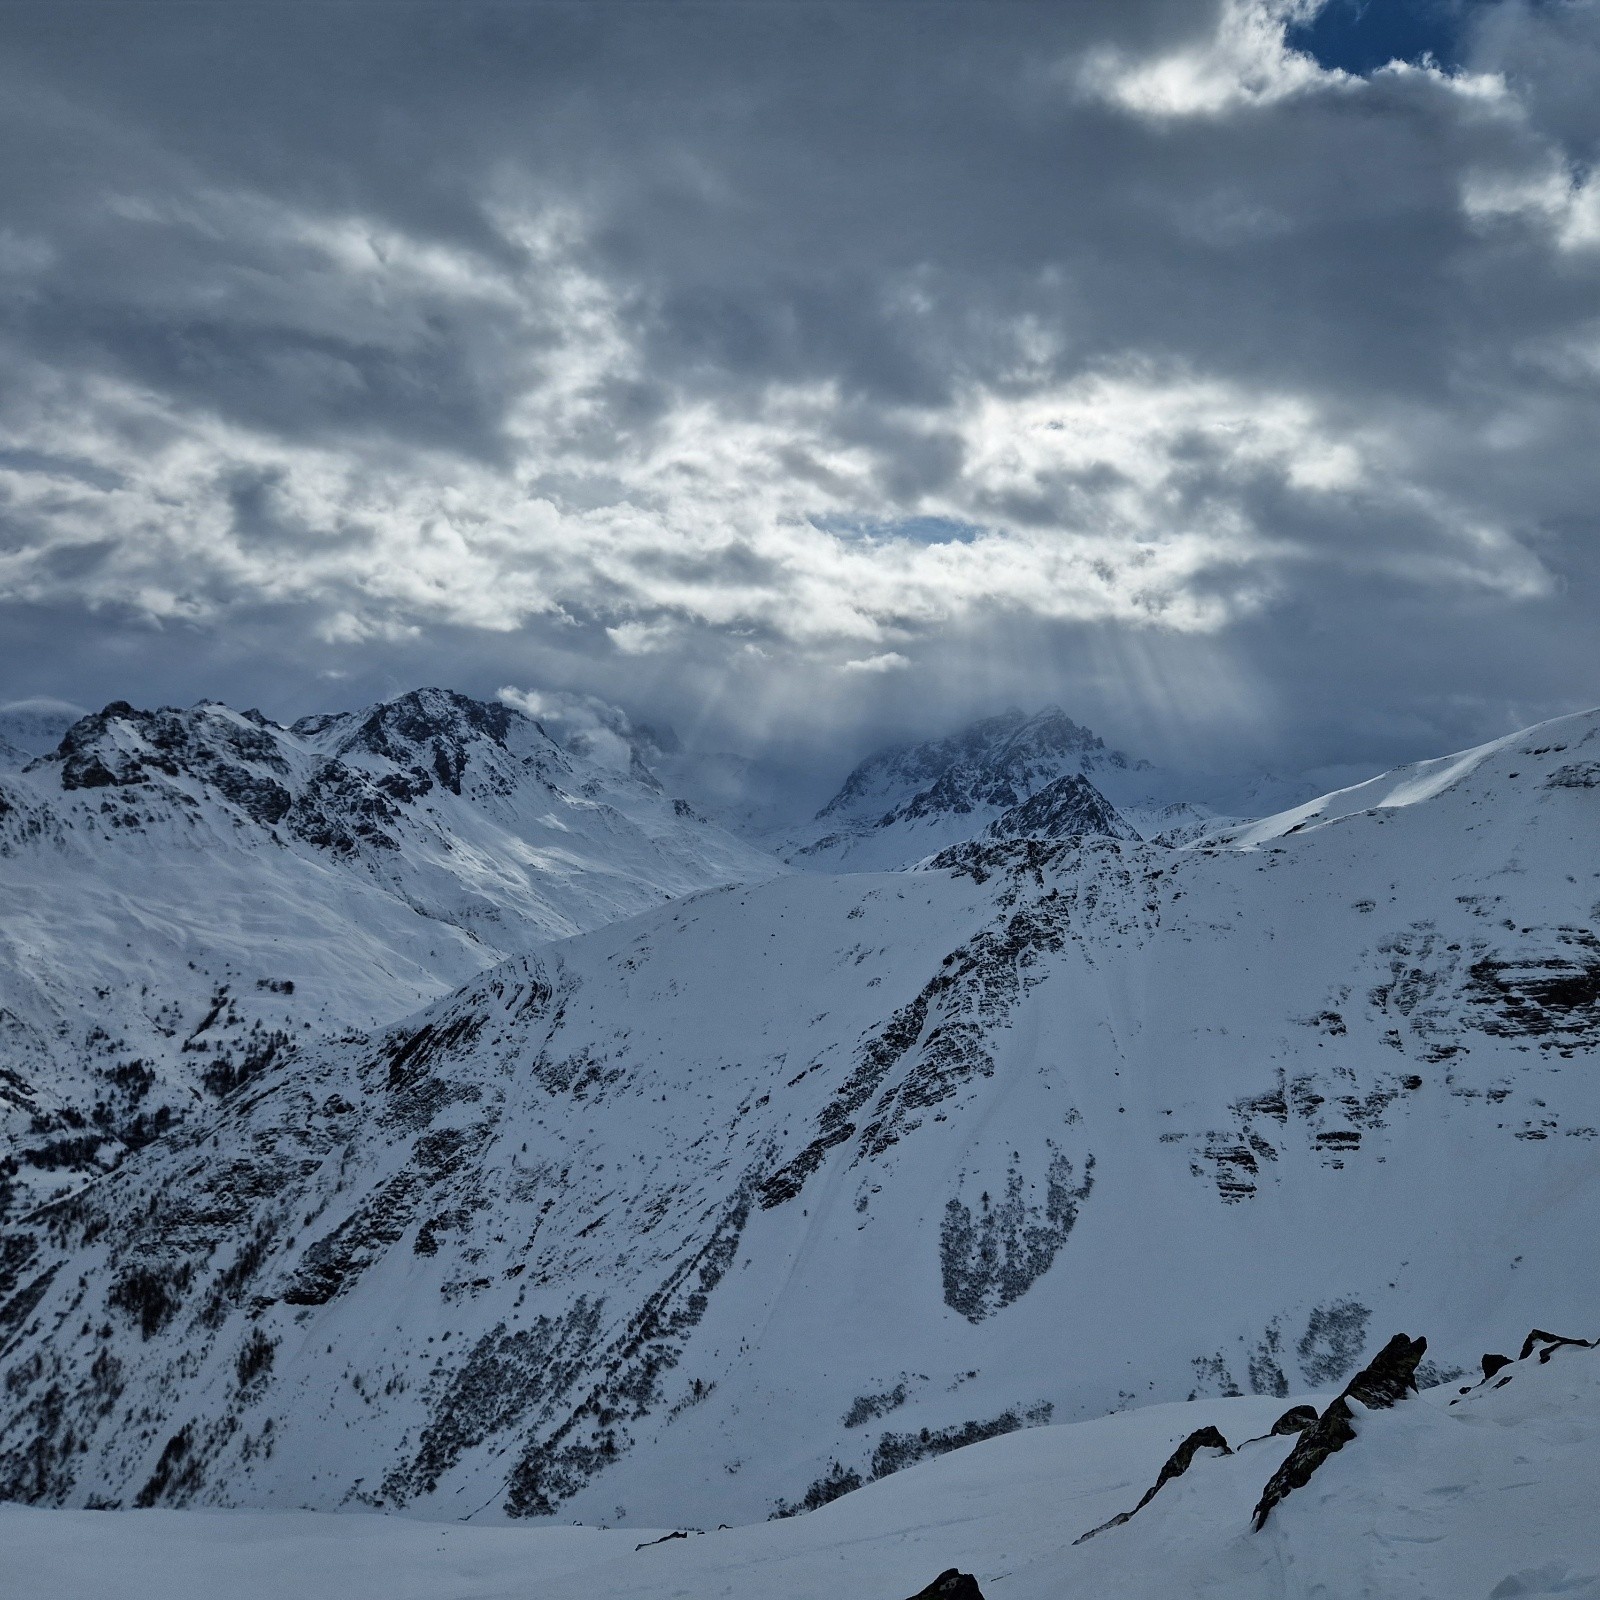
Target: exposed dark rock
(1555,1000)
(1176,1465)
(1579,775)
(1067,808)
(1295,1420)
(951,1585)
(1492,1364)
(1547,1343)
(789,1179)
(666,1538)
(339,1257)
(1389,1377)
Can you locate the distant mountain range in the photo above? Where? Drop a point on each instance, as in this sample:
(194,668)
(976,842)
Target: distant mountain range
(190,894)
(1016,776)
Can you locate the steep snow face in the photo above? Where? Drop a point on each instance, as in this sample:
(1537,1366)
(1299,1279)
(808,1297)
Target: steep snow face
(187,894)
(747,1201)
(1490,1497)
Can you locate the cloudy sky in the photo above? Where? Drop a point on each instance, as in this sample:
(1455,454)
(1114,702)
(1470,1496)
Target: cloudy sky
(805,374)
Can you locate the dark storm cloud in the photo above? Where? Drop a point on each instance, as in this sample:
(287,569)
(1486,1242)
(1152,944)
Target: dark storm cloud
(810,371)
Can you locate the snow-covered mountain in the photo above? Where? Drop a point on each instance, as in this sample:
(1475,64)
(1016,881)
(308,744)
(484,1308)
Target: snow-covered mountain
(992,780)
(30,728)
(742,1203)
(1490,1494)
(188,894)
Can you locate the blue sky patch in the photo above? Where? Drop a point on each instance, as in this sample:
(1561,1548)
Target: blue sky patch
(920,530)
(1360,36)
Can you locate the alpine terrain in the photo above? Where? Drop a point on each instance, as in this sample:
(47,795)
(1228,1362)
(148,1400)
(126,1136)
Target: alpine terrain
(726,1209)
(191,895)
(1015,776)
(1488,1494)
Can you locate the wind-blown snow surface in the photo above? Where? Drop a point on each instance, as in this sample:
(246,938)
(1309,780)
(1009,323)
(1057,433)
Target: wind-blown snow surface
(779,1189)
(1488,1498)
(186,894)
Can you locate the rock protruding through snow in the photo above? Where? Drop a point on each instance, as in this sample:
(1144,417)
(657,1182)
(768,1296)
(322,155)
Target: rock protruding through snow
(1389,1377)
(1178,1463)
(951,1584)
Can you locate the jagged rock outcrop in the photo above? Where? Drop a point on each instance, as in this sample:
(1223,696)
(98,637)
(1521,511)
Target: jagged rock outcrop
(1178,1463)
(951,1585)
(1538,1342)
(1389,1377)
(1547,1343)
(1295,1420)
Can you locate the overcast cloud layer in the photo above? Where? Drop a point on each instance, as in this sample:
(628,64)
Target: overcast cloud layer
(807,373)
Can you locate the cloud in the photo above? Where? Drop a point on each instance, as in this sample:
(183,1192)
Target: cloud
(888,661)
(583,722)
(750,365)
(1243,61)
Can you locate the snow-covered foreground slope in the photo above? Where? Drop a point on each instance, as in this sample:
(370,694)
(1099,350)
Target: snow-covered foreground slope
(1490,1498)
(188,894)
(740,1203)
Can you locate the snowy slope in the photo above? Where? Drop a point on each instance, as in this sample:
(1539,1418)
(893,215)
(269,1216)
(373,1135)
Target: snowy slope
(187,894)
(1488,1498)
(781,1188)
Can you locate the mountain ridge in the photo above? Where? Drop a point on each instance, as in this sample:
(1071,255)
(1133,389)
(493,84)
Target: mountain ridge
(192,891)
(743,1201)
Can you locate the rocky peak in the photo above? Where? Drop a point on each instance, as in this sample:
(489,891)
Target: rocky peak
(120,746)
(1067,808)
(428,732)
(1001,760)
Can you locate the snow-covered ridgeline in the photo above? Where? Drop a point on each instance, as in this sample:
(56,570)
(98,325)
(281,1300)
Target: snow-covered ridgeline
(1009,776)
(776,1191)
(190,894)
